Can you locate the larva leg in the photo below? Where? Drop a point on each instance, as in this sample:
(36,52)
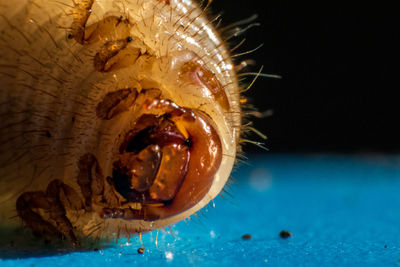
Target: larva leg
(116,102)
(81,13)
(92,184)
(50,202)
(90,179)
(25,205)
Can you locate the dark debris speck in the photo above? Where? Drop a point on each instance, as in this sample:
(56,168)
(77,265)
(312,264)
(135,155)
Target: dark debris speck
(285,234)
(140,250)
(246,237)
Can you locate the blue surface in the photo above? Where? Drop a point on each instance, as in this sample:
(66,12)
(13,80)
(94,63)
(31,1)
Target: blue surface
(341,210)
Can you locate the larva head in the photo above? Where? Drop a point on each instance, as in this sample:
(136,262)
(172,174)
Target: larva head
(171,160)
(168,161)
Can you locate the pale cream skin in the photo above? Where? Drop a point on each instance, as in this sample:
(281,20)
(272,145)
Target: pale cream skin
(49,91)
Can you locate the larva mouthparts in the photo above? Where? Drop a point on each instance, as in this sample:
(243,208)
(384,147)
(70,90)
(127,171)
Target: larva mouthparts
(117,117)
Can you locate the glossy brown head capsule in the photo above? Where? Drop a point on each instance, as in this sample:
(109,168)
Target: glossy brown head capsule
(168,161)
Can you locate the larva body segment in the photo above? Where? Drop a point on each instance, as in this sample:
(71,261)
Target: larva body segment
(89,91)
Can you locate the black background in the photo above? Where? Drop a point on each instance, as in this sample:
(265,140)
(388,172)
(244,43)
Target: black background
(339,73)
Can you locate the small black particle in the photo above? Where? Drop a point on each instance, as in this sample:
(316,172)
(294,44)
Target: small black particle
(188,142)
(70,36)
(285,234)
(246,237)
(48,134)
(129,39)
(95,249)
(385,246)
(73,119)
(140,250)
(167,202)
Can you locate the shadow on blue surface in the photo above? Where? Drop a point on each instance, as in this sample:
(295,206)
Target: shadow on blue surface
(341,210)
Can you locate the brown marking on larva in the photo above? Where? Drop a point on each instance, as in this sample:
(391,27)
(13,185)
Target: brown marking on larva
(81,13)
(109,50)
(51,202)
(90,179)
(165,1)
(115,103)
(197,73)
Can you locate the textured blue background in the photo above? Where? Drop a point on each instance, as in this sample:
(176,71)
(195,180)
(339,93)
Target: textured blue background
(341,210)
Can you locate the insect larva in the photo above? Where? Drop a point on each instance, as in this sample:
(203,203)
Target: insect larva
(117,117)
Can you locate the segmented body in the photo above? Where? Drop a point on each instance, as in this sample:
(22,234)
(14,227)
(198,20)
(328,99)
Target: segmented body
(77,79)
